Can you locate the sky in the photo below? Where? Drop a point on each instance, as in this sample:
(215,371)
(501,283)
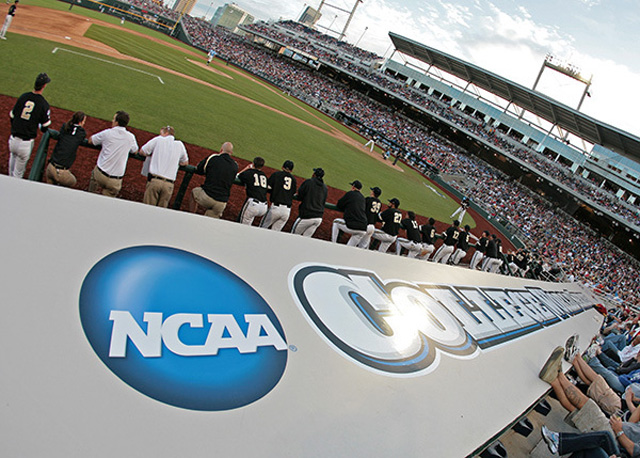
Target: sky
(506,37)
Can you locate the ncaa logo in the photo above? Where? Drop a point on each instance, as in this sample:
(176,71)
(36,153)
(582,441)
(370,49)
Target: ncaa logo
(182,329)
(394,328)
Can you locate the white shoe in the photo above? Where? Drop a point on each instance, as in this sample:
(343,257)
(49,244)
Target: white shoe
(551,438)
(4,38)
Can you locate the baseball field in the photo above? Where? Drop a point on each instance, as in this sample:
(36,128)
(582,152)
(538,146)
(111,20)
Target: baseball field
(98,66)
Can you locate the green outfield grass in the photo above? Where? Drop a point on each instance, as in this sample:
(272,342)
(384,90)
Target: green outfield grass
(202,115)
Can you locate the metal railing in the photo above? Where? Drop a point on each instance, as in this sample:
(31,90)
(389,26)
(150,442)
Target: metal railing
(40,159)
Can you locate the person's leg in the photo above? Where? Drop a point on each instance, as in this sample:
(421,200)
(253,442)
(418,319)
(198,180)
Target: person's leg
(586,374)
(562,397)
(609,376)
(618,340)
(607,361)
(598,440)
(355,238)
(337,226)
(576,397)
(280,218)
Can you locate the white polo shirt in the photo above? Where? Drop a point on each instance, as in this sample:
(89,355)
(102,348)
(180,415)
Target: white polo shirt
(166,155)
(117,143)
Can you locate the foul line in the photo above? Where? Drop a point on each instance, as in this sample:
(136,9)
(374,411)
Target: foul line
(434,190)
(107,61)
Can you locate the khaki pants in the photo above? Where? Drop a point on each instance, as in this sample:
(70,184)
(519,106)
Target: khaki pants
(110,186)
(158,193)
(213,208)
(60,177)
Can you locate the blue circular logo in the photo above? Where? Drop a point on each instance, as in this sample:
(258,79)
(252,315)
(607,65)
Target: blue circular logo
(182,329)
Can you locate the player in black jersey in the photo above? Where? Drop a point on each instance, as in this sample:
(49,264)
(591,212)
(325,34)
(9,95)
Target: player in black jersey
(355,218)
(372,209)
(282,188)
(30,111)
(255,182)
(448,246)
(428,232)
(412,243)
(481,247)
(463,245)
(313,196)
(71,137)
(391,219)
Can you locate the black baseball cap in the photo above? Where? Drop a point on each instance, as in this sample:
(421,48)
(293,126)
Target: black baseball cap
(356,184)
(288,165)
(318,172)
(395,202)
(42,79)
(376,191)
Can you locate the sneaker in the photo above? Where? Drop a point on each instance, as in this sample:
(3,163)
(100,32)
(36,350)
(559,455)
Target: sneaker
(4,38)
(571,348)
(551,438)
(592,351)
(553,365)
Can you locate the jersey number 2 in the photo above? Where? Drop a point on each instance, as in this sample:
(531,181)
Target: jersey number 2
(26,111)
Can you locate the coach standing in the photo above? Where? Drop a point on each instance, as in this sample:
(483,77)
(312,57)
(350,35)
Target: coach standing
(7,20)
(165,155)
(30,110)
(116,143)
(220,172)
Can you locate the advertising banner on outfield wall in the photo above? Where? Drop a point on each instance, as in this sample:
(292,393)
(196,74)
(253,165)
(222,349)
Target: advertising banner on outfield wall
(134,331)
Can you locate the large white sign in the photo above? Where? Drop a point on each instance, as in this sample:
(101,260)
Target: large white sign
(130,330)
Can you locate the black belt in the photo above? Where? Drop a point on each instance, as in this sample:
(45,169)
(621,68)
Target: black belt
(57,166)
(151,176)
(107,175)
(22,138)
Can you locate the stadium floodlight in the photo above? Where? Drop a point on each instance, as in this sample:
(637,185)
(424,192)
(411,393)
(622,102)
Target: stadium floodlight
(351,13)
(567,69)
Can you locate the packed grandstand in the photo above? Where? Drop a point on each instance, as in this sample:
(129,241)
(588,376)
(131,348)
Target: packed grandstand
(555,236)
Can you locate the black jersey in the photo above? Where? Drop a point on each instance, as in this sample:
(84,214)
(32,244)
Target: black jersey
(372,208)
(313,194)
(391,219)
(353,206)
(220,172)
(481,246)
(12,10)
(283,187)
(255,182)
(29,111)
(451,236)
(492,249)
(463,241)
(428,232)
(412,228)
(64,153)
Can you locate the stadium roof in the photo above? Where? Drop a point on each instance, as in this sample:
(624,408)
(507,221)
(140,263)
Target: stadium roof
(567,118)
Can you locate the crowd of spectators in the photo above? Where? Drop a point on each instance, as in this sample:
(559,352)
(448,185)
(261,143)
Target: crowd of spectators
(308,41)
(154,8)
(581,253)
(555,236)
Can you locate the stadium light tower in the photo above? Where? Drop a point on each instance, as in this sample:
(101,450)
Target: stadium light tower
(568,70)
(351,14)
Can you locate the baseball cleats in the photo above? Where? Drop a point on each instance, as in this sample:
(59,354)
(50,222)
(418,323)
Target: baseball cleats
(571,348)
(553,365)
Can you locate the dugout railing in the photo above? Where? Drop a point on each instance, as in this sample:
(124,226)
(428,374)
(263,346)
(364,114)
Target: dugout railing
(40,159)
